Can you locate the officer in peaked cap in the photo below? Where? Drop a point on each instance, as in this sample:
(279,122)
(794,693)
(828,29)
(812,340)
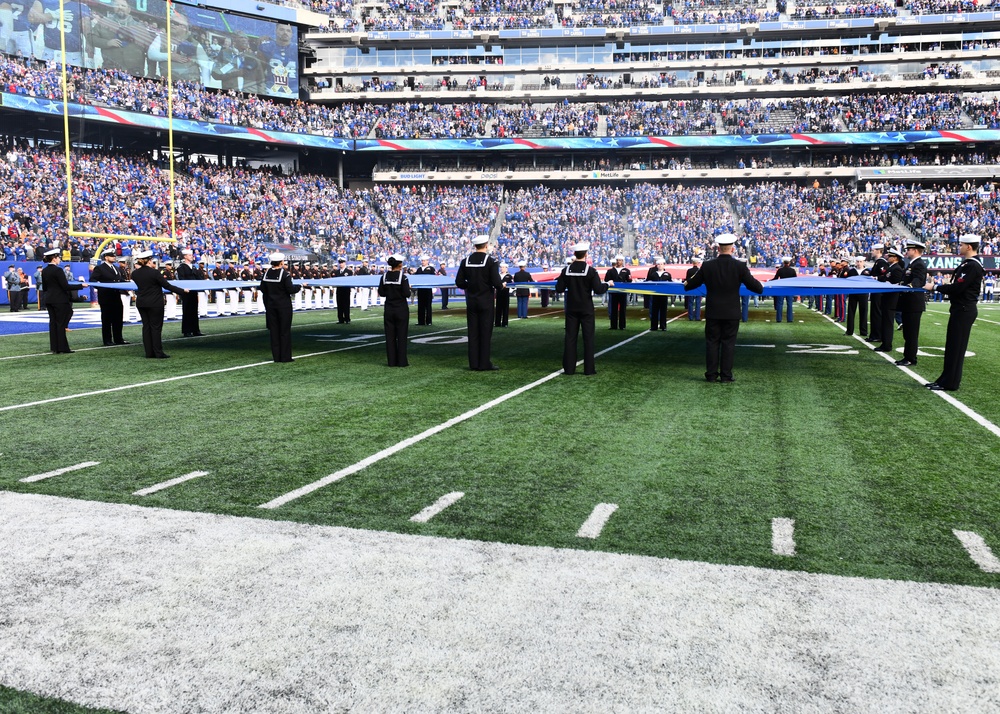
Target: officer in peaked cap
(188,270)
(110,299)
(877,271)
(963,295)
(343,295)
(722,277)
(912,305)
(58,301)
(893,275)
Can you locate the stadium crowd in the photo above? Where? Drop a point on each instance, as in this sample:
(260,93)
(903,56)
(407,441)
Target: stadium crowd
(229,214)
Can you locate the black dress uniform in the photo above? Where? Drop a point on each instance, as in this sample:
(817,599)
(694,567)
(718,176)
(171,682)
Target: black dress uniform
(857,306)
(963,293)
(875,301)
(149,302)
(888,303)
(912,307)
(343,296)
(189,301)
(395,288)
(110,300)
(443,270)
(722,277)
(425,297)
(479,277)
(59,304)
(502,308)
(580,283)
(658,303)
(278,288)
(619,301)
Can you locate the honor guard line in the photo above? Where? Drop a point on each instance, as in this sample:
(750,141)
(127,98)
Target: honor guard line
(106,238)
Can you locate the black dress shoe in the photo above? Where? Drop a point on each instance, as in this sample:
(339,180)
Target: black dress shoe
(871,340)
(932,385)
(199,334)
(491,368)
(882,349)
(65,352)
(935,387)
(188,334)
(905,363)
(727,379)
(123,342)
(109,344)
(162,356)
(711,378)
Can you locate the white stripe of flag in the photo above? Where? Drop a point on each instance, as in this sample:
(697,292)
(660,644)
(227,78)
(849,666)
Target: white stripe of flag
(59,472)
(168,484)
(783,536)
(436,507)
(977,549)
(593,526)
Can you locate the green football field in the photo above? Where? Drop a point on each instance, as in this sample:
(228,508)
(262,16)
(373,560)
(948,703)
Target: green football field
(871,473)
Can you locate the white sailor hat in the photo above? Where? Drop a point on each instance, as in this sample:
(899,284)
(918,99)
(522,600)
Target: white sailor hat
(187,251)
(425,257)
(522,263)
(570,259)
(480,240)
(659,259)
(878,246)
(143,254)
(725,239)
(859,259)
(896,252)
(341,260)
(397,257)
(582,246)
(276,257)
(54,251)
(911,243)
(108,251)
(786,259)
(970,238)
(696,259)
(619,257)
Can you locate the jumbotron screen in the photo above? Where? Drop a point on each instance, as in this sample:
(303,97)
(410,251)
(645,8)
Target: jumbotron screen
(208,47)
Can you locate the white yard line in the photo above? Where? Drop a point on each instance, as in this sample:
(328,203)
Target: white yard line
(436,507)
(169,339)
(426,434)
(171,482)
(59,472)
(978,319)
(977,549)
(165,380)
(890,357)
(783,536)
(595,523)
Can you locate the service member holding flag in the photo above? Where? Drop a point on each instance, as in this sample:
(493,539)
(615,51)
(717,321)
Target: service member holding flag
(580,282)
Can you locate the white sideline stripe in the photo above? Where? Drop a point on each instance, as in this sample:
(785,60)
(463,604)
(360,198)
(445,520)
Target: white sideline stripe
(168,484)
(165,380)
(436,507)
(593,526)
(427,433)
(977,549)
(59,472)
(975,416)
(783,536)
